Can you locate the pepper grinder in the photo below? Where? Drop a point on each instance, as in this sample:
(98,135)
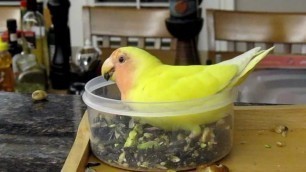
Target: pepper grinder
(185,23)
(60,67)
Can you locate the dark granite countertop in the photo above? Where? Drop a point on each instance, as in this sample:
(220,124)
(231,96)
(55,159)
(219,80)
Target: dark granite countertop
(37,136)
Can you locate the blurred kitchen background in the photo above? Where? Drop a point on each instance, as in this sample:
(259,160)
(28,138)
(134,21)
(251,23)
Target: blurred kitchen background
(77,39)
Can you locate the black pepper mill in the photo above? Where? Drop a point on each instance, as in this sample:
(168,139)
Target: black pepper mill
(60,67)
(185,23)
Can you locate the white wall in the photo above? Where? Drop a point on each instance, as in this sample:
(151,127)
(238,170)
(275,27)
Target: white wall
(76,22)
(76,25)
(212,4)
(271,5)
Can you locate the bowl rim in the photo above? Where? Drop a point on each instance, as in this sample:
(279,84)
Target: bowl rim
(99,82)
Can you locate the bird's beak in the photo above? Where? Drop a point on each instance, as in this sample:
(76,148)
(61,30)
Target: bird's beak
(107,69)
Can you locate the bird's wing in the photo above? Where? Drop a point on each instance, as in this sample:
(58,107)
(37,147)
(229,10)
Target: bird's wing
(174,83)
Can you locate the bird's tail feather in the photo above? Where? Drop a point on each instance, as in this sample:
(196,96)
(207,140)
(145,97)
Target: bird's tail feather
(242,60)
(249,67)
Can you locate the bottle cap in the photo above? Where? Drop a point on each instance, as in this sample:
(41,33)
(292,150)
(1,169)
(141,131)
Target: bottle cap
(3,45)
(11,24)
(23,3)
(31,5)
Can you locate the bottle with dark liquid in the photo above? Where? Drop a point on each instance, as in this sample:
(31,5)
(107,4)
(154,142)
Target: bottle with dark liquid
(40,6)
(14,47)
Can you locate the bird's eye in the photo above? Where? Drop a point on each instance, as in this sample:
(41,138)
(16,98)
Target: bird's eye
(121,59)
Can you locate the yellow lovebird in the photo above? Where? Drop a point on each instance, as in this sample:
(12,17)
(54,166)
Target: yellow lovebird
(141,77)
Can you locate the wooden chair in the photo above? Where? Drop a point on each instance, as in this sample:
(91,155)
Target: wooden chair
(112,27)
(244,30)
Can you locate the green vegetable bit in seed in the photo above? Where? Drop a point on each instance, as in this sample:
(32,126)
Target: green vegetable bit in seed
(123,141)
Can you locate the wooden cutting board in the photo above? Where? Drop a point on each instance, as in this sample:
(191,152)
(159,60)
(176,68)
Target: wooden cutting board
(255,143)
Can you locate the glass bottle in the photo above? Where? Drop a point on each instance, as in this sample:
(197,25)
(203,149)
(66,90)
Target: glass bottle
(14,47)
(87,57)
(29,75)
(6,73)
(35,34)
(40,6)
(51,42)
(23,10)
(84,66)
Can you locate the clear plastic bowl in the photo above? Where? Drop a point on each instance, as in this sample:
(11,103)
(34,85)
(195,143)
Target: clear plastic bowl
(158,136)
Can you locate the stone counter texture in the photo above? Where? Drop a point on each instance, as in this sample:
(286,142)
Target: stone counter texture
(37,136)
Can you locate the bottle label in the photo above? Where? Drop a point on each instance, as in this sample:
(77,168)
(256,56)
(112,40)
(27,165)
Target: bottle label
(30,38)
(51,52)
(183,8)
(13,37)
(43,31)
(39,31)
